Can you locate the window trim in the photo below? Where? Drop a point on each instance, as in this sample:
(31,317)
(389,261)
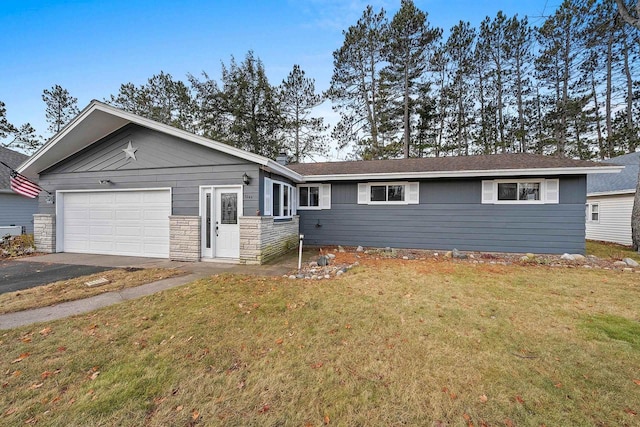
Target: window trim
(324,197)
(590,212)
(411,188)
(545,191)
(292,196)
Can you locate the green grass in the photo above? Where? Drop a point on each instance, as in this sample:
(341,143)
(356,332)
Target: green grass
(611,250)
(390,343)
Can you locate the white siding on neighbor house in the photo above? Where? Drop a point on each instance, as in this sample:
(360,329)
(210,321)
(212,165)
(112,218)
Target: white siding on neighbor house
(614,223)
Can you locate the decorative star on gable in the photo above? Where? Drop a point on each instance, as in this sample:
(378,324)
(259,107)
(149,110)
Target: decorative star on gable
(130,152)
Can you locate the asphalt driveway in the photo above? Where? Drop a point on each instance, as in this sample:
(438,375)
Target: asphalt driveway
(18,275)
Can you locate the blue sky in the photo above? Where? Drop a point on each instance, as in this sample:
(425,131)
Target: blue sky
(90,47)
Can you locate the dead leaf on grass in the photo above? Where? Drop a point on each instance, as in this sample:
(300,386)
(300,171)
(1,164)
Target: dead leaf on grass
(45,375)
(35,386)
(483,398)
(317,365)
(637,382)
(630,411)
(179,408)
(46,331)
(327,420)
(11,411)
(279,341)
(467,418)
(264,409)
(558,385)
(21,357)
(31,420)
(519,399)
(195,415)
(508,423)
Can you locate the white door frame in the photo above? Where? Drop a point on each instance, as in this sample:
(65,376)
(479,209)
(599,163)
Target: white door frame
(210,253)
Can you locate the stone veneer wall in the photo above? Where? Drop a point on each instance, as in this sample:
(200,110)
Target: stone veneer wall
(184,238)
(44,232)
(263,239)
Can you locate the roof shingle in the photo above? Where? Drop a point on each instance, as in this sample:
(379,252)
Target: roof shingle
(443,164)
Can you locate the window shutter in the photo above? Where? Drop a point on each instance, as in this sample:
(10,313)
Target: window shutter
(552,191)
(413,193)
(325,196)
(268,192)
(488,192)
(363,194)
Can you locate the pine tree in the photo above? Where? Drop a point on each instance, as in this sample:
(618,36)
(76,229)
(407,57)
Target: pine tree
(161,98)
(61,107)
(355,84)
(22,138)
(250,105)
(304,134)
(630,12)
(459,49)
(409,45)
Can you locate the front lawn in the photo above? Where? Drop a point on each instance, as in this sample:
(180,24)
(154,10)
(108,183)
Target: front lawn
(76,288)
(391,342)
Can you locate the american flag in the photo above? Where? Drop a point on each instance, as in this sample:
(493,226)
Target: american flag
(21,185)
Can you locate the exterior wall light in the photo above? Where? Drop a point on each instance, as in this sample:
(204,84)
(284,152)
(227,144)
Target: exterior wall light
(246,179)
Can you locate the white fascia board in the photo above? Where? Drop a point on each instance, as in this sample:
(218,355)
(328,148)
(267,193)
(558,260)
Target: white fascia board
(160,127)
(611,193)
(465,174)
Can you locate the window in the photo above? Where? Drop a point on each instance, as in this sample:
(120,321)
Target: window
(278,199)
(314,196)
(521,191)
(388,193)
(593,212)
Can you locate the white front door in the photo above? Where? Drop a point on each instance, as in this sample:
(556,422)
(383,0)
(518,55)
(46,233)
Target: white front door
(220,209)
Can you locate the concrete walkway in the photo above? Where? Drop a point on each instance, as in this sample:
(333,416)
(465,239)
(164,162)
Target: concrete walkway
(193,270)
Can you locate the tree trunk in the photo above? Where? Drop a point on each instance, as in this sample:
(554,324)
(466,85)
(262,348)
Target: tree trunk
(609,95)
(631,139)
(594,94)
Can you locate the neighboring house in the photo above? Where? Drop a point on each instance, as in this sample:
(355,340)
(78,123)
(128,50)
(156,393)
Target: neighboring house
(15,210)
(126,185)
(610,201)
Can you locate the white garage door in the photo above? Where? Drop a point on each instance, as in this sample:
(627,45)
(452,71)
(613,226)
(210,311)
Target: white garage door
(134,223)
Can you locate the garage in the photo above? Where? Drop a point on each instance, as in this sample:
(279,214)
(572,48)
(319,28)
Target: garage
(132,223)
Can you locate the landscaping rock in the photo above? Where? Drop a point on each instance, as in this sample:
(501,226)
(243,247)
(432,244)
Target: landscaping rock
(567,257)
(292,277)
(331,256)
(339,273)
(530,255)
(458,255)
(313,264)
(359,249)
(631,262)
(323,261)
(340,249)
(619,264)
(448,254)
(578,257)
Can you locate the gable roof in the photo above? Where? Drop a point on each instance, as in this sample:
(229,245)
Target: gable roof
(13,159)
(623,182)
(519,164)
(98,120)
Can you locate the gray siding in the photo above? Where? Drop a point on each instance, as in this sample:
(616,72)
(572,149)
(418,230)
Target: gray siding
(17,210)
(162,161)
(450,215)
